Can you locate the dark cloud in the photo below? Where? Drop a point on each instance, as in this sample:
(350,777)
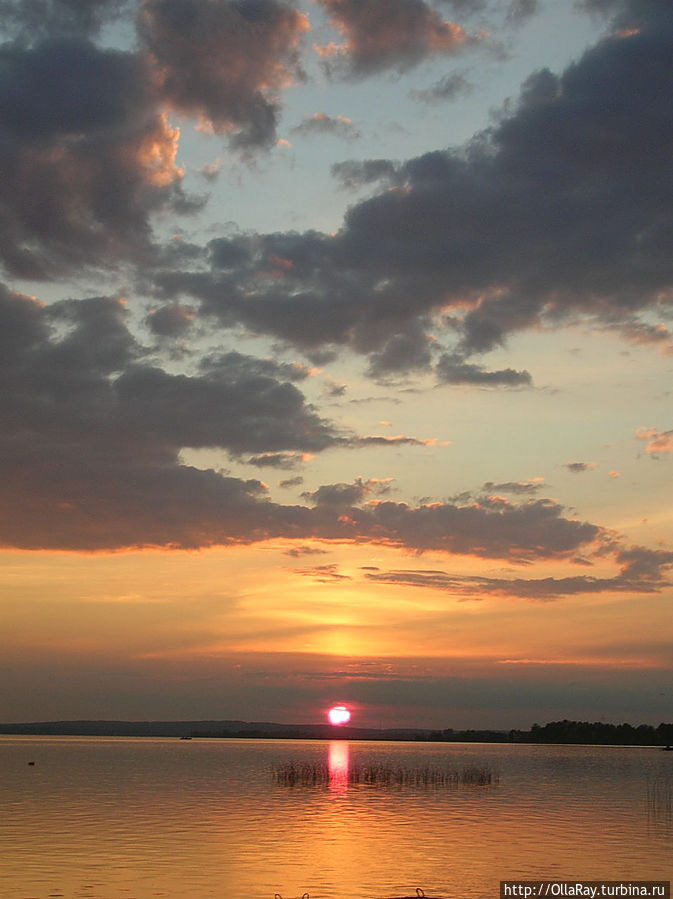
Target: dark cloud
(31,20)
(376,440)
(91,441)
(346,494)
(234,364)
(298,551)
(580,467)
(334,389)
(514,487)
(520,10)
(237,408)
(627,14)
(492,528)
(171,321)
(450,87)
(386,34)
(321,123)
(641,571)
(324,574)
(85,416)
(645,564)
(354,174)
(291,482)
(559,213)
(453,371)
(92,436)
(286,461)
(407,352)
(466,7)
(85,158)
(224,61)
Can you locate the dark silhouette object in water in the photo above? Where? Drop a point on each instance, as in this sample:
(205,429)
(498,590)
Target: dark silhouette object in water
(278,896)
(294,774)
(419,895)
(667,748)
(31,763)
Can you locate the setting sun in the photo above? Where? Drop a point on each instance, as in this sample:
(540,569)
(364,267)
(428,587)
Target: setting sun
(339,714)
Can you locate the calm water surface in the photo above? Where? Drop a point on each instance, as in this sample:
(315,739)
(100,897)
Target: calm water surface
(105,818)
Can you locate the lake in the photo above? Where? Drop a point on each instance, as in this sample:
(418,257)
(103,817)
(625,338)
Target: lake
(104,818)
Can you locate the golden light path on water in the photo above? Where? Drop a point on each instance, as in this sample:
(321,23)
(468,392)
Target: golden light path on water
(337,761)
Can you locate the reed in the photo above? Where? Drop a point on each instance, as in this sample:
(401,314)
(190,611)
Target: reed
(317,774)
(660,798)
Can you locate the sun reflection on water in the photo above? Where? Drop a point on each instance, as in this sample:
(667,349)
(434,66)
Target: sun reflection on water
(337,762)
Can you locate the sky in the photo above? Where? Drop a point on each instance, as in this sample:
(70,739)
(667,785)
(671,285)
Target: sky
(336,360)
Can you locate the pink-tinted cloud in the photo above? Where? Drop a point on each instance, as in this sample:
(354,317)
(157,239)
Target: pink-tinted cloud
(321,123)
(410,261)
(224,62)
(658,441)
(387,34)
(86,158)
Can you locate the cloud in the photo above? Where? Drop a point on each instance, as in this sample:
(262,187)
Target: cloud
(323,574)
(451,370)
(90,452)
(171,321)
(659,441)
(386,34)
(347,494)
(411,351)
(376,440)
(579,467)
(520,10)
(321,123)
(450,87)
(286,461)
(553,216)
(628,14)
(85,156)
(296,552)
(515,487)
(354,174)
(291,482)
(30,20)
(93,435)
(641,571)
(224,62)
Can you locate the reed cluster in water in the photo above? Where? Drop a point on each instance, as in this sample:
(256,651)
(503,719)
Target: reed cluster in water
(317,774)
(660,798)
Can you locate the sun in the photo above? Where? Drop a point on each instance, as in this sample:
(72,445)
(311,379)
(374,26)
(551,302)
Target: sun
(339,714)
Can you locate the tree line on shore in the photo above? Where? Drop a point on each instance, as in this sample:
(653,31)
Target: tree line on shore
(597,732)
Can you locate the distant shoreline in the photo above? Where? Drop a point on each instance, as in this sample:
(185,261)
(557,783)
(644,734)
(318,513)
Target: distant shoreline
(558,732)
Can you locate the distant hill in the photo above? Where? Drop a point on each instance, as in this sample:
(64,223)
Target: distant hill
(245,729)
(555,732)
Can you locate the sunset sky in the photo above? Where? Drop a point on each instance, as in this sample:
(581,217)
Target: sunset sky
(336,360)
